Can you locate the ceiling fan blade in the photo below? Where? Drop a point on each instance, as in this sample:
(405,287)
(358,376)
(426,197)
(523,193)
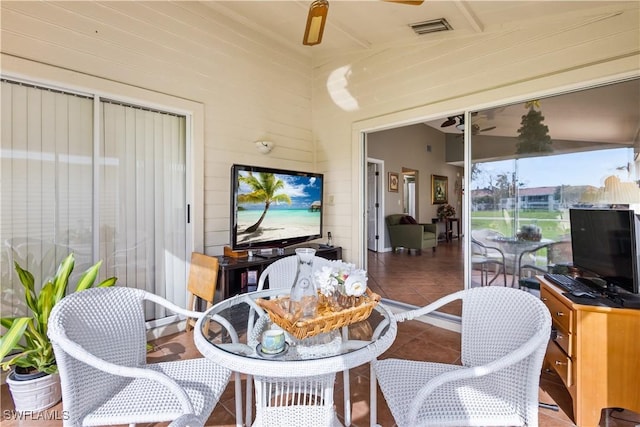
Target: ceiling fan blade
(316,19)
(449,122)
(410,2)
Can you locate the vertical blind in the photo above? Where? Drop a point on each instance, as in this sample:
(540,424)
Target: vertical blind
(49,162)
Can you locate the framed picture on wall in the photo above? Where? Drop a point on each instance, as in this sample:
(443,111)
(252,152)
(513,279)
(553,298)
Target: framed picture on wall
(393,182)
(439,189)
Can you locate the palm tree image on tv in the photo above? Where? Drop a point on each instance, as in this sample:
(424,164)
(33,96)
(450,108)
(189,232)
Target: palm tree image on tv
(264,188)
(277,207)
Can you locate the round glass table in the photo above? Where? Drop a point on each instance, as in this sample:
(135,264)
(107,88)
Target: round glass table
(514,247)
(298,383)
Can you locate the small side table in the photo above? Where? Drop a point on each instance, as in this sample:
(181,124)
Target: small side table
(448,227)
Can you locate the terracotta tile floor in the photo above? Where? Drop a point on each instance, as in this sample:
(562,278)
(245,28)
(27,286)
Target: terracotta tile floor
(414,279)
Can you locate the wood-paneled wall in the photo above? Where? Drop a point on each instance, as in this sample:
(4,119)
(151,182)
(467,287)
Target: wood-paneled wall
(252,88)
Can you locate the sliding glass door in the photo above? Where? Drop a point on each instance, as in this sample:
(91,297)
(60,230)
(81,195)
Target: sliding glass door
(533,161)
(116,194)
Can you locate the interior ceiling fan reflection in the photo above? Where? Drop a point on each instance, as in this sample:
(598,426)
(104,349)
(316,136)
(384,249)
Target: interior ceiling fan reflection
(317,18)
(458,121)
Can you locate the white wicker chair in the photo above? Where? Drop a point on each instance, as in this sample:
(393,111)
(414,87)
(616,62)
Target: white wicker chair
(486,256)
(282,272)
(280,275)
(99,340)
(505,332)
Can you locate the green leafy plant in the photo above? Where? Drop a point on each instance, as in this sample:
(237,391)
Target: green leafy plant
(28,335)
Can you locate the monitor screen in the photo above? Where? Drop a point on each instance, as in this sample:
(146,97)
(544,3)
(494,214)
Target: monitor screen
(605,243)
(274,207)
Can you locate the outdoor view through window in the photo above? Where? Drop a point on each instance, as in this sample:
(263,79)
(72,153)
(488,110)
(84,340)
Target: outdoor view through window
(533,161)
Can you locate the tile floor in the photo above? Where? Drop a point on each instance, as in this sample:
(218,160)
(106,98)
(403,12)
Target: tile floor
(414,279)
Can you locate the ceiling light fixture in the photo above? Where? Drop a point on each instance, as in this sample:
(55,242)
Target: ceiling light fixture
(316,19)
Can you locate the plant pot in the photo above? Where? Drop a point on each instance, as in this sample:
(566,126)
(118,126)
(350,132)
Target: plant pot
(36,394)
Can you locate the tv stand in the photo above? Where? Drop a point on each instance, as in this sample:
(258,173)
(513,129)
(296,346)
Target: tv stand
(232,270)
(594,350)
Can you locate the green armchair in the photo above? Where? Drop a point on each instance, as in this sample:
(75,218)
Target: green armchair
(405,232)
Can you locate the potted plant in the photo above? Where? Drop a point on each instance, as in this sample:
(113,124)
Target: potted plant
(35,365)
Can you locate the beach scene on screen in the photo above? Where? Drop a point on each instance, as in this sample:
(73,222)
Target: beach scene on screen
(277,206)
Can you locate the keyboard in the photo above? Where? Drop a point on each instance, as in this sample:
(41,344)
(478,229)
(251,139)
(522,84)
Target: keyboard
(568,283)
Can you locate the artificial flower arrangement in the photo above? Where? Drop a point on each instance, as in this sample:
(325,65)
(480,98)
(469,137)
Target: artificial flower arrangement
(446,211)
(341,284)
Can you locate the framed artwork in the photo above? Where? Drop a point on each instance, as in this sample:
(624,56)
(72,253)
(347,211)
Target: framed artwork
(393,181)
(439,189)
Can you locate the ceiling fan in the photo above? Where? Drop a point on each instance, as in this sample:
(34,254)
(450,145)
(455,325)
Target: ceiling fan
(460,125)
(317,17)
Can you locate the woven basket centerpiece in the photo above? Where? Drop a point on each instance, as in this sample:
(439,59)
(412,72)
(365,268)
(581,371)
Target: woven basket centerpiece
(328,318)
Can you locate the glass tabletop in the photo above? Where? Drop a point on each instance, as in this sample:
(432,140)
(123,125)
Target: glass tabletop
(234,327)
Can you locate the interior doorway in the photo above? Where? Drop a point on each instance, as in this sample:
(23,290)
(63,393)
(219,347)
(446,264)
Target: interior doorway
(410,193)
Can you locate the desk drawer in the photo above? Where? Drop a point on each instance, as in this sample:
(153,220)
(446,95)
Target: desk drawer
(560,362)
(563,338)
(560,313)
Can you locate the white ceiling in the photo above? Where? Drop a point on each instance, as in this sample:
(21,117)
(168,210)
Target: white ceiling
(354,25)
(603,115)
(606,114)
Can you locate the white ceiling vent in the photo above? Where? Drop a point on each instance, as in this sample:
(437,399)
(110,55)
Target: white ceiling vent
(432,26)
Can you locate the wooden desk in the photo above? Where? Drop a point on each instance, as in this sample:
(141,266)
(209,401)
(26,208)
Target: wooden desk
(230,269)
(596,352)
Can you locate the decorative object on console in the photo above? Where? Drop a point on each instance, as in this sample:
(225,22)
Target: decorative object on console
(264,147)
(446,211)
(439,189)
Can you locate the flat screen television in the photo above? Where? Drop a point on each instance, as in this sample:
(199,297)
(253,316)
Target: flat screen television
(274,208)
(605,242)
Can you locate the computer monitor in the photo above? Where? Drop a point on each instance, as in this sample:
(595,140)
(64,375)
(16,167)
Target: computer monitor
(605,243)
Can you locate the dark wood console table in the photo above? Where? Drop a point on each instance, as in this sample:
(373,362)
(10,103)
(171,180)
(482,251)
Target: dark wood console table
(231,270)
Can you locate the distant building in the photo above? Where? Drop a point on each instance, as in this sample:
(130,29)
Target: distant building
(535,198)
(315,206)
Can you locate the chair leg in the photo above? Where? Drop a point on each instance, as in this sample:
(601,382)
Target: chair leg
(346,384)
(238,391)
(249,400)
(190,306)
(347,398)
(373,397)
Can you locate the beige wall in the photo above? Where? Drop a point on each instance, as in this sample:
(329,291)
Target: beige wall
(406,147)
(246,88)
(409,84)
(250,88)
